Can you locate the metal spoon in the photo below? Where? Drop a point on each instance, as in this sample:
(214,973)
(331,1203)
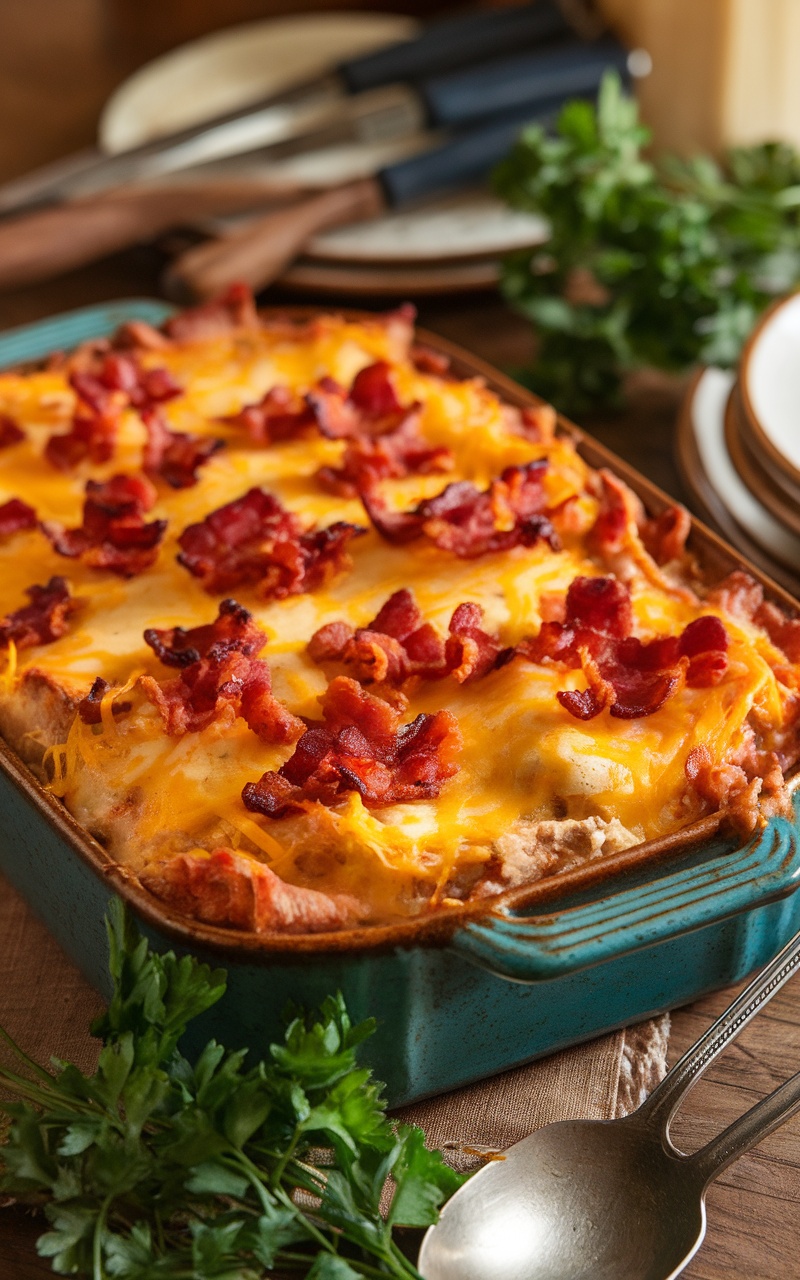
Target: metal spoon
(607,1200)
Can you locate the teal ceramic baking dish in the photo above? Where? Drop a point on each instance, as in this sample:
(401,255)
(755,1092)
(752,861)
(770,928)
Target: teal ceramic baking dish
(477,989)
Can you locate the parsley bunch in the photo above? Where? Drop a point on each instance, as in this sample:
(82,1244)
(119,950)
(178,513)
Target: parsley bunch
(160,1167)
(646,265)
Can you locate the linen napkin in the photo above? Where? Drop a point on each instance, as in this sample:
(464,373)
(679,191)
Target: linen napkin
(47,1005)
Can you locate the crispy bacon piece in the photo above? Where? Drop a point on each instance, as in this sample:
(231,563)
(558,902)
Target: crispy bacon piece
(233,630)
(141,336)
(16,515)
(113,534)
(10,431)
(664,536)
(45,619)
(360,746)
(255,540)
(398,643)
(93,433)
(368,459)
(234,309)
(280,415)
(471,522)
(141,387)
(89,707)
(627,676)
(426,360)
(230,888)
(538,422)
(174,456)
(746,790)
(221,677)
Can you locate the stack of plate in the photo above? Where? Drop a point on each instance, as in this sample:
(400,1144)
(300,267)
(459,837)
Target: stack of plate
(739,445)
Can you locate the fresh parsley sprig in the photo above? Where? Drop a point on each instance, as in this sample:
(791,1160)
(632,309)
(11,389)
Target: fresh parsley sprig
(156,1167)
(659,265)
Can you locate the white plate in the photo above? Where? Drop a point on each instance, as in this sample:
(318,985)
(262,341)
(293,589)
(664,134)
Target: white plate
(707,416)
(771,381)
(467,225)
(233,67)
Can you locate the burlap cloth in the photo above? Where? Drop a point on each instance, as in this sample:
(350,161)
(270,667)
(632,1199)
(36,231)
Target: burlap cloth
(47,1005)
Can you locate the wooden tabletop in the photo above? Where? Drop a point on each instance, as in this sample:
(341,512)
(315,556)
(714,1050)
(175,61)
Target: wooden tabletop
(55,69)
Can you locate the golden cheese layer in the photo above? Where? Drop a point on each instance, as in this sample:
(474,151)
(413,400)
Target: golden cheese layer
(524,760)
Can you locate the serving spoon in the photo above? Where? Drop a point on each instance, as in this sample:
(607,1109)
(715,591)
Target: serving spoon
(607,1199)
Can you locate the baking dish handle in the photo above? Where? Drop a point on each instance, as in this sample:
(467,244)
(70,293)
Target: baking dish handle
(534,948)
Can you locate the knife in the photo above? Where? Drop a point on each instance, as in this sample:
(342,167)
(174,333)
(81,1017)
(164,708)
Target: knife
(442,47)
(259,252)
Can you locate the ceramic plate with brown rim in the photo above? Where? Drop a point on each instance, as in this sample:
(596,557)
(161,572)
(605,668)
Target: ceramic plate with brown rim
(748,466)
(717,490)
(769,382)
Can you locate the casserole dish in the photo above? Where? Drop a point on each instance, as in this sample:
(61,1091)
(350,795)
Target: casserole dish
(477,987)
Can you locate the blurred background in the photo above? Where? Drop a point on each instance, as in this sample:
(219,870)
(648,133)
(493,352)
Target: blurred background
(724,70)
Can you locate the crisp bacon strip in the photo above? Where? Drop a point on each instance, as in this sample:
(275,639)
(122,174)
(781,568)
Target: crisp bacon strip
(255,540)
(10,431)
(228,888)
(234,309)
(471,522)
(113,534)
(142,388)
(360,746)
(174,456)
(220,678)
(368,459)
(280,415)
(89,708)
(398,643)
(93,434)
(627,676)
(45,619)
(16,515)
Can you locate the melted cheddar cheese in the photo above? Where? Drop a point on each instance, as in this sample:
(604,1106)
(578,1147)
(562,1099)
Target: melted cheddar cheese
(525,760)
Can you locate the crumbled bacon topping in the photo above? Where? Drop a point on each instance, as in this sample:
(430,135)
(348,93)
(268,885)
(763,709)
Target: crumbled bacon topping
(221,677)
(89,707)
(471,522)
(360,746)
(228,888)
(279,415)
(234,309)
(45,619)
(113,534)
(93,433)
(16,515)
(664,536)
(625,675)
(255,540)
(398,643)
(746,789)
(368,459)
(10,431)
(174,456)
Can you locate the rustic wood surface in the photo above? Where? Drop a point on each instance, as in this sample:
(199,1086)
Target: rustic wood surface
(50,91)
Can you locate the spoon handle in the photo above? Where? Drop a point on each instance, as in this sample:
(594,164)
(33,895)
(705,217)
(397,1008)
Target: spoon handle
(748,1130)
(662,1104)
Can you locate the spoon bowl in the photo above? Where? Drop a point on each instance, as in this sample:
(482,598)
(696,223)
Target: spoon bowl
(613,1199)
(580,1200)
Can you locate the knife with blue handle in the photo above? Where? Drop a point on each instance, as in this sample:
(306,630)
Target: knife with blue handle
(376,82)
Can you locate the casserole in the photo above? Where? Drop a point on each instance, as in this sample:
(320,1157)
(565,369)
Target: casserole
(440,985)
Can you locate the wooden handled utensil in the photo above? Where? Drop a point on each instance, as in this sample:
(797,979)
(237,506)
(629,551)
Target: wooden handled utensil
(257,253)
(42,244)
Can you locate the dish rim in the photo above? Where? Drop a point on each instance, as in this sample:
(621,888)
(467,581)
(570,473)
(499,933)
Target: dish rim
(436,928)
(750,419)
